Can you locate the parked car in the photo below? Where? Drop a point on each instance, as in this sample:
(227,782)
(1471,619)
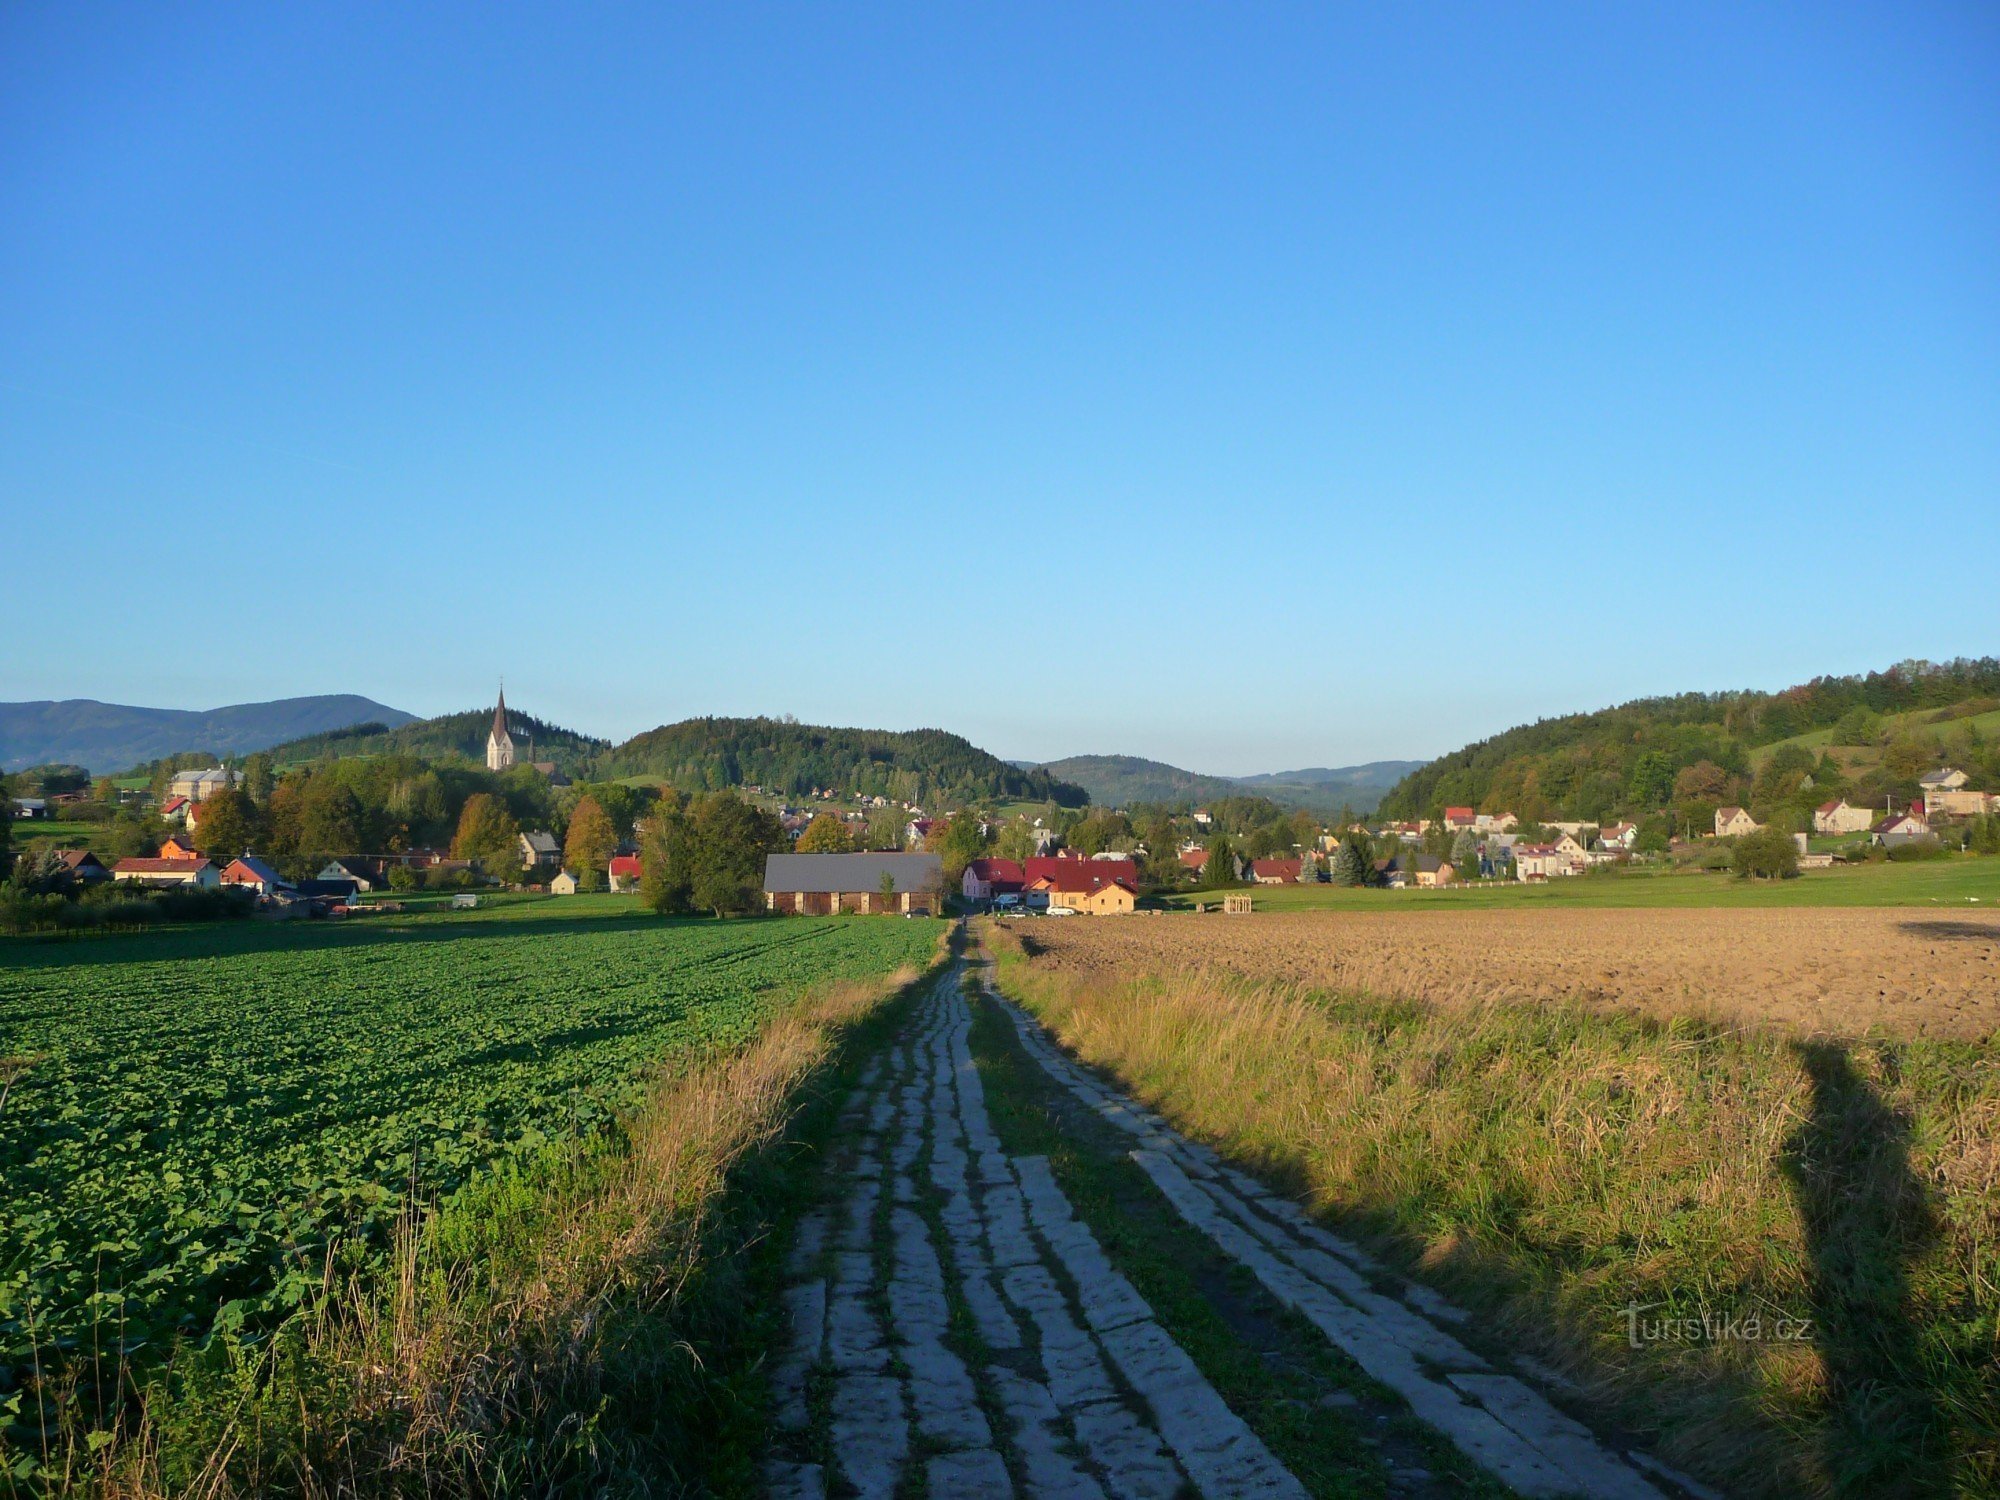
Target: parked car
(1062,911)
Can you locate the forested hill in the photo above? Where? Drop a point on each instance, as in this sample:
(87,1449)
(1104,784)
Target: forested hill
(1697,748)
(917,765)
(1124,780)
(451,734)
(106,737)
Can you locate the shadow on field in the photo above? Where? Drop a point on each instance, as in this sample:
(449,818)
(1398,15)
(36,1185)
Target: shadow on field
(1867,1220)
(1954,931)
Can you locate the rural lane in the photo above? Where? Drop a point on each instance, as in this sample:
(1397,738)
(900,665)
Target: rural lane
(1056,1379)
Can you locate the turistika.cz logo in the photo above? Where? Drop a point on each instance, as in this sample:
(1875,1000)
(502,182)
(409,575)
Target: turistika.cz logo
(1710,1328)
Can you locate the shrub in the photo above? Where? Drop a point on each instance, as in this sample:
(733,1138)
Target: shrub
(1767,853)
(1928,847)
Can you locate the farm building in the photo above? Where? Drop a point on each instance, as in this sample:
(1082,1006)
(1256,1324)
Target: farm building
(253,874)
(195,872)
(821,884)
(363,875)
(625,872)
(564,884)
(81,866)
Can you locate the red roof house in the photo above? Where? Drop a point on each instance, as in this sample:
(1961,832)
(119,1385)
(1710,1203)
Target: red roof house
(1275,871)
(1075,876)
(986,878)
(625,872)
(1456,818)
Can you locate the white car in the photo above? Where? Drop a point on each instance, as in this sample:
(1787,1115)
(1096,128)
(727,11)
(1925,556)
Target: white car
(1061,911)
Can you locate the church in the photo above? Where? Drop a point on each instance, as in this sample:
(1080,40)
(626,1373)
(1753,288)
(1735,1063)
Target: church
(499,744)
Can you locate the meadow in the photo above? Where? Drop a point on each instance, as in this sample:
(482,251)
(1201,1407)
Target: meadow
(1957,880)
(196,1127)
(1554,1162)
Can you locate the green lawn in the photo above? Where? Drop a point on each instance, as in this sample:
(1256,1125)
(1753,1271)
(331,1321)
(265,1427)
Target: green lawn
(1957,881)
(67,835)
(1818,740)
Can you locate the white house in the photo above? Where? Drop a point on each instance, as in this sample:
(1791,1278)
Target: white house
(1734,822)
(1619,836)
(1902,828)
(564,884)
(1542,862)
(195,872)
(199,786)
(347,869)
(1840,816)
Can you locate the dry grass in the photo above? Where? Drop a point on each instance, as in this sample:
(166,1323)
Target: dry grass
(514,1322)
(1552,1164)
(1900,971)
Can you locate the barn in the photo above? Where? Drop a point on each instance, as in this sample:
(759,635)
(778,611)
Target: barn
(818,885)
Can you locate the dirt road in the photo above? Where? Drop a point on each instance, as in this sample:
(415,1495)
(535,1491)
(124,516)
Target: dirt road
(1120,1314)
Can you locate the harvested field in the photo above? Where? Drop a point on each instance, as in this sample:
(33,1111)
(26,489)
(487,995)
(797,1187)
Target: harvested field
(1898,971)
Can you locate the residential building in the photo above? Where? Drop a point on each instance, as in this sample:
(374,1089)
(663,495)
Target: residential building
(1619,836)
(81,866)
(1432,871)
(197,872)
(625,872)
(361,873)
(986,878)
(1900,828)
(538,848)
(342,893)
(1570,847)
(179,846)
(251,872)
(1275,871)
(564,884)
(823,884)
(1074,882)
(499,744)
(1943,779)
(175,810)
(1734,822)
(1456,818)
(199,786)
(1116,899)
(1541,862)
(1839,816)
(1495,822)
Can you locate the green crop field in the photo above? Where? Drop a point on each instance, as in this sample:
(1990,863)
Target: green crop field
(1959,881)
(188,1119)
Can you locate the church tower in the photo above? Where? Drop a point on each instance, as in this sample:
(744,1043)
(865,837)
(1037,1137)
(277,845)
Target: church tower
(499,744)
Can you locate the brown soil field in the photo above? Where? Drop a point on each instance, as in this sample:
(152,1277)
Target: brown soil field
(1845,971)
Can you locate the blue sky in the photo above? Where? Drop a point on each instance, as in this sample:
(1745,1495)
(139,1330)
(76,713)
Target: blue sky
(1250,387)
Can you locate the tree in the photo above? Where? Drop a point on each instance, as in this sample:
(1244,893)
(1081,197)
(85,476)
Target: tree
(1465,854)
(825,834)
(1651,783)
(258,779)
(1704,781)
(1767,853)
(1353,863)
(885,892)
(329,818)
(6,827)
(730,841)
(488,833)
(957,842)
(589,845)
(228,823)
(1017,840)
(664,861)
(1220,868)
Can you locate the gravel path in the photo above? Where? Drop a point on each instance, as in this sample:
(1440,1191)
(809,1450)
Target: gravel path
(957,1330)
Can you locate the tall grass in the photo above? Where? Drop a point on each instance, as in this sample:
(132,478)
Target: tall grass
(578,1323)
(1555,1166)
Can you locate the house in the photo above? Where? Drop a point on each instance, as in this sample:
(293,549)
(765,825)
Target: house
(1840,816)
(362,875)
(1194,860)
(1201,817)
(1275,871)
(1619,836)
(175,809)
(539,847)
(1116,899)
(986,878)
(1570,847)
(1541,862)
(916,831)
(31,809)
(1432,871)
(1946,795)
(625,872)
(196,872)
(1075,882)
(81,866)
(199,786)
(824,884)
(1504,822)
(1900,828)
(1943,779)
(1456,818)
(564,884)
(1734,822)
(253,874)
(179,846)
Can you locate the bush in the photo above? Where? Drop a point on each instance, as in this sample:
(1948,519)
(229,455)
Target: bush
(1929,847)
(108,907)
(1767,853)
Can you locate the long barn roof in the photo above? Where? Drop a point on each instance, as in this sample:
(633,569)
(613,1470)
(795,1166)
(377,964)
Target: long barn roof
(817,873)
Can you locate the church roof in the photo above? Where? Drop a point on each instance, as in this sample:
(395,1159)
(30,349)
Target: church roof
(500,717)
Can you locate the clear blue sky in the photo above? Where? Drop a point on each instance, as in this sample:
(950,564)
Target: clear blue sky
(1246,386)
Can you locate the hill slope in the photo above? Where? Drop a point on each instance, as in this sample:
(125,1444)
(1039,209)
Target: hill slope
(918,765)
(1627,760)
(1120,780)
(107,737)
(450,734)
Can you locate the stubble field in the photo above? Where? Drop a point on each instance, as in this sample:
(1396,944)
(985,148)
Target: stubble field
(1902,972)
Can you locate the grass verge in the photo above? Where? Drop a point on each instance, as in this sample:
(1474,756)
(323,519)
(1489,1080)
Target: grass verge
(589,1321)
(1554,1168)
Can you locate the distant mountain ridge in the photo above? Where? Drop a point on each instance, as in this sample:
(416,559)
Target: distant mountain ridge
(1120,780)
(106,737)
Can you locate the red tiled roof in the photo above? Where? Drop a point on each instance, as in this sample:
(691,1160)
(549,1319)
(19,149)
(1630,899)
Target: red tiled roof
(1006,871)
(173,804)
(159,866)
(625,864)
(1283,869)
(1462,814)
(1080,874)
(1194,859)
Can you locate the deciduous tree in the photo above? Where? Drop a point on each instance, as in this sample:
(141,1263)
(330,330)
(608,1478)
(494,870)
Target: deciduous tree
(488,833)
(589,844)
(825,834)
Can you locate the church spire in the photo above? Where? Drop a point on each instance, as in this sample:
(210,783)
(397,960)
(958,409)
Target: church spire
(499,743)
(500,715)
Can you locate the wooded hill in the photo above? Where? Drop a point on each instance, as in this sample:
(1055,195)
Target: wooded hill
(1131,780)
(450,734)
(923,766)
(1701,748)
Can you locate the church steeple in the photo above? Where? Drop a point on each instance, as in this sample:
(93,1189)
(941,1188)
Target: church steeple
(499,744)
